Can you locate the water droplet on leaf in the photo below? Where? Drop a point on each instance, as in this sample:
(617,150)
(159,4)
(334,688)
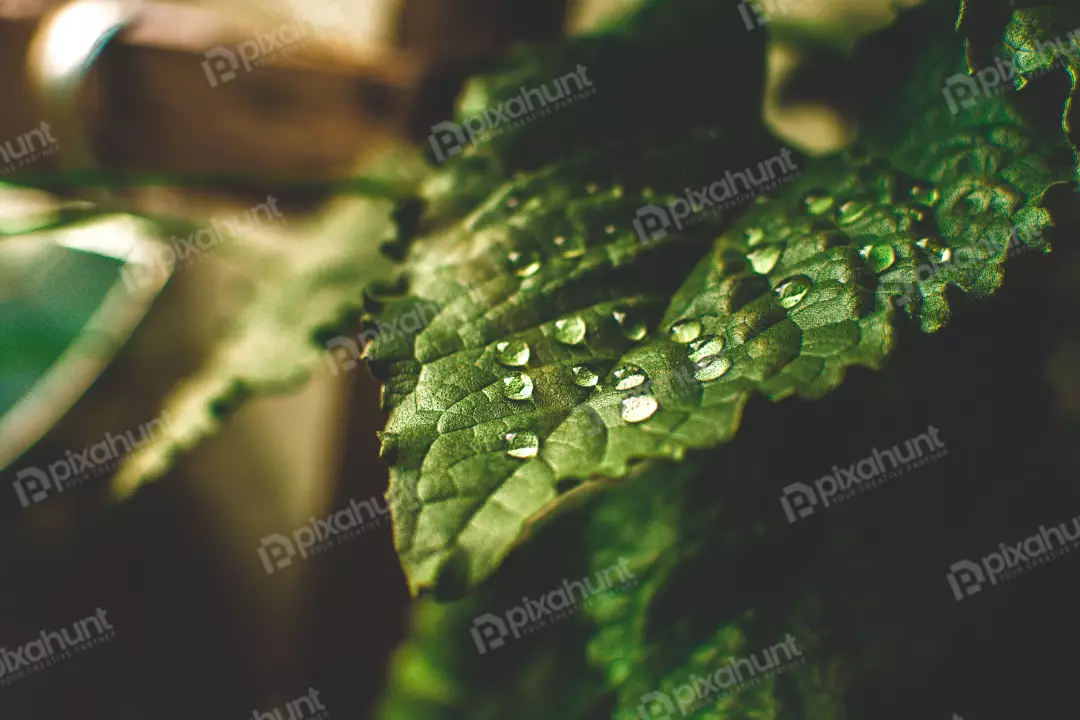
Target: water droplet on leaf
(524,263)
(818,202)
(517,386)
(522,444)
(685,331)
(705,347)
(584,376)
(628,376)
(711,368)
(570,331)
(570,247)
(851,212)
(638,408)
(764,259)
(879,257)
(633,327)
(793,290)
(514,353)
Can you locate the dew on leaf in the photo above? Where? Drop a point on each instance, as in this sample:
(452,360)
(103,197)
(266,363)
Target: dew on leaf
(925,194)
(851,212)
(754,236)
(705,347)
(514,353)
(711,368)
(879,256)
(570,247)
(524,263)
(517,386)
(584,376)
(938,253)
(818,202)
(793,290)
(685,331)
(570,330)
(764,259)
(628,376)
(522,444)
(638,408)
(633,327)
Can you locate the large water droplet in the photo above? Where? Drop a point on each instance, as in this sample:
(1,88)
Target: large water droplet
(711,368)
(754,236)
(638,408)
(584,376)
(628,376)
(523,263)
(818,202)
(938,253)
(925,194)
(631,323)
(793,290)
(514,353)
(705,347)
(879,256)
(570,330)
(685,331)
(517,386)
(851,212)
(570,246)
(764,259)
(523,444)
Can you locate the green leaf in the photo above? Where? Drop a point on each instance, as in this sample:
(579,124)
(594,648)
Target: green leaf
(816,279)
(302,297)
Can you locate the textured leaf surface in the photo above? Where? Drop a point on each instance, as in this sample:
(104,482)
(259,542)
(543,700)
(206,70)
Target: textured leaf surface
(816,279)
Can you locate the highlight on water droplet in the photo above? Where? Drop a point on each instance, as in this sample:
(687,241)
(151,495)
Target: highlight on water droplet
(938,252)
(818,202)
(584,376)
(514,353)
(754,236)
(524,263)
(570,246)
(793,290)
(705,347)
(628,376)
(710,368)
(638,408)
(522,444)
(517,386)
(764,259)
(685,331)
(570,330)
(851,212)
(632,325)
(925,194)
(879,256)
